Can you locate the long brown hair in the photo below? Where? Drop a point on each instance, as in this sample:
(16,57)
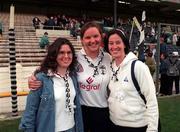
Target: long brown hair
(50,63)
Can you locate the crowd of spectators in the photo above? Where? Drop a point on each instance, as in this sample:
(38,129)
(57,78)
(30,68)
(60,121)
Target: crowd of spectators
(60,22)
(169,52)
(170,34)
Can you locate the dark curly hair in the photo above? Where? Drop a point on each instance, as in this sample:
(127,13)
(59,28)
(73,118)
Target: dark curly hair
(122,35)
(50,63)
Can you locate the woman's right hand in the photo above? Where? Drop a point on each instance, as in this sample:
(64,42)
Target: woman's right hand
(33,83)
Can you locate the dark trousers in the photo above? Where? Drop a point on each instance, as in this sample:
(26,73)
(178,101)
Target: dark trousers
(164,84)
(116,128)
(96,119)
(171,80)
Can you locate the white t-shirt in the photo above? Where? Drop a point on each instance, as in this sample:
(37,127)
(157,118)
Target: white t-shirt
(93,89)
(63,119)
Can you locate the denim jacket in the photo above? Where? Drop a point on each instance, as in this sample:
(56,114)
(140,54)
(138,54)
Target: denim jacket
(39,114)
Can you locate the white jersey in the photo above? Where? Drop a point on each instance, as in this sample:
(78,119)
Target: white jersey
(93,88)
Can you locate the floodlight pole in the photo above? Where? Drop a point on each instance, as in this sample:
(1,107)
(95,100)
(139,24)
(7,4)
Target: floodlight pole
(115,13)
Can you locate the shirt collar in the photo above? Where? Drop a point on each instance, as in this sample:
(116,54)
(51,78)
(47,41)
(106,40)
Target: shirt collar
(82,51)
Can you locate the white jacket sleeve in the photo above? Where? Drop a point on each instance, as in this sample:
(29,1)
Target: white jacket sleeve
(148,89)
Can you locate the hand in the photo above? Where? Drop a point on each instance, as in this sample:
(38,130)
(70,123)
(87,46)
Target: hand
(33,83)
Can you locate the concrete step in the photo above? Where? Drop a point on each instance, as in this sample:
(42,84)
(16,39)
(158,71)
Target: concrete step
(6,55)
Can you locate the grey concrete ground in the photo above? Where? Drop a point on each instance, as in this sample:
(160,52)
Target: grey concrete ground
(6,107)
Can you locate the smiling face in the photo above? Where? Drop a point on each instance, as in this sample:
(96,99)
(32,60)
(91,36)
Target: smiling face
(116,46)
(64,57)
(91,40)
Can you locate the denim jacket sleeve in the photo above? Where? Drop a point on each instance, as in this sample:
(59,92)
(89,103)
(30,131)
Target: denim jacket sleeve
(28,120)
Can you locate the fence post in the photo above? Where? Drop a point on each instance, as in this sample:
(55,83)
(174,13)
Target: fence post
(12,63)
(157,83)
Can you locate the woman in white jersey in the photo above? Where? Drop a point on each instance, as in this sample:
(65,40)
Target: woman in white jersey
(55,107)
(128,111)
(93,77)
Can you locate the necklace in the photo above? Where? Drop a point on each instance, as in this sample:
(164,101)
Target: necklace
(67,91)
(114,76)
(95,67)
